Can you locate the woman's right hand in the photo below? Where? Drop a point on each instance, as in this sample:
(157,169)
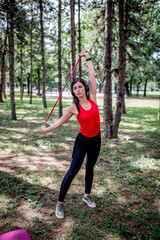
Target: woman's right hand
(44,129)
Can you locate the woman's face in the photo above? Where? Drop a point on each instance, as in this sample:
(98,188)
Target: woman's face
(79,90)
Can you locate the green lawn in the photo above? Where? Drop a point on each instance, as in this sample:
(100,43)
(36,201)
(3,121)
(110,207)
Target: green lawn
(126,182)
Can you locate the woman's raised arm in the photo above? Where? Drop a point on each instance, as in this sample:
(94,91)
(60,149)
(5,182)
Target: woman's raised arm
(92,86)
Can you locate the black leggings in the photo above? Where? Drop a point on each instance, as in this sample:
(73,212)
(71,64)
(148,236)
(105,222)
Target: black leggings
(83,145)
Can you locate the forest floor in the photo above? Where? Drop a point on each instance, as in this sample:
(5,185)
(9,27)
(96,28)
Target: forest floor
(126,180)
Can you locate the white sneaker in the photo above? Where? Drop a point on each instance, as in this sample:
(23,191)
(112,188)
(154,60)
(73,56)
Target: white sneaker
(89,201)
(59,210)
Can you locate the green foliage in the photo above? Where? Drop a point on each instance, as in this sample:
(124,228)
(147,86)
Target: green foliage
(142,43)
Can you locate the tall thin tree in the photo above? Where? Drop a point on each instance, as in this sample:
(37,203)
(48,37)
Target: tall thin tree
(122,67)
(107,113)
(43,57)
(1,98)
(59,60)
(111,124)
(3,51)
(73,51)
(11,60)
(21,83)
(126,16)
(39,79)
(21,45)
(79,36)
(3,69)
(31,56)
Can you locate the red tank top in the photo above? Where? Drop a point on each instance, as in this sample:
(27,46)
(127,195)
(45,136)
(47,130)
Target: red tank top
(89,120)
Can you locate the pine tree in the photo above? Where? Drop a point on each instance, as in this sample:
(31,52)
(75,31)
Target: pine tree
(73,51)
(43,58)
(59,60)
(107,114)
(11,60)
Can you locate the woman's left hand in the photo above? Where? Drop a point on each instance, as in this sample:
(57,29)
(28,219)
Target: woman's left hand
(84,54)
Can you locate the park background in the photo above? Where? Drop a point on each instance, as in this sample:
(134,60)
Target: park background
(39,46)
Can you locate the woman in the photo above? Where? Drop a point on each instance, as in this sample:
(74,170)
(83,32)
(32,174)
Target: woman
(88,140)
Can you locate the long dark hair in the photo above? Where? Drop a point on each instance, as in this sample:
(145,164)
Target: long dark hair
(75,99)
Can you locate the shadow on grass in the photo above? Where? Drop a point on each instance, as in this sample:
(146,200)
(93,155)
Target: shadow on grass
(126,192)
(126,183)
(21,195)
(130,185)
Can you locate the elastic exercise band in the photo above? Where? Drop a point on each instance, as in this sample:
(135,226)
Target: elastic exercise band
(62,91)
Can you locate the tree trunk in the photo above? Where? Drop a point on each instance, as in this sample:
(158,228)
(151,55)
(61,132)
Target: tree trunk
(79,36)
(1,98)
(159,110)
(125,39)
(72,6)
(122,65)
(138,85)
(131,83)
(30,82)
(145,88)
(123,103)
(11,61)
(43,58)
(59,60)
(127,89)
(21,83)
(3,70)
(4,66)
(39,85)
(4,81)
(107,114)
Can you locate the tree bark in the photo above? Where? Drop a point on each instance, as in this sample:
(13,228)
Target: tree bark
(59,60)
(130,85)
(43,58)
(145,88)
(72,6)
(31,36)
(4,80)
(107,114)
(79,36)
(123,103)
(159,110)
(1,97)
(11,61)
(28,83)
(124,111)
(21,83)
(122,66)
(127,89)
(39,85)
(3,70)
(138,85)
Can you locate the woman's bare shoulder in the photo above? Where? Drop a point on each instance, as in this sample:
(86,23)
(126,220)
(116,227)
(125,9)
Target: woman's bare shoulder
(72,108)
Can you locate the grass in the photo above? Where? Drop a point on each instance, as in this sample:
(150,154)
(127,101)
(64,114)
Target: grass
(126,182)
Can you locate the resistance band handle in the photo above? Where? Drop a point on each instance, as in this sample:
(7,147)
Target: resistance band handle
(62,91)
